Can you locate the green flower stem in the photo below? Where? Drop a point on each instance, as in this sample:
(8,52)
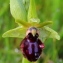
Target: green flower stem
(25,60)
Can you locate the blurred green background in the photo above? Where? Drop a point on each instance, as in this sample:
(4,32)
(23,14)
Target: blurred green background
(48,10)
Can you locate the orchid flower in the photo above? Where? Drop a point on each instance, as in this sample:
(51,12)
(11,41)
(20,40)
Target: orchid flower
(26,19)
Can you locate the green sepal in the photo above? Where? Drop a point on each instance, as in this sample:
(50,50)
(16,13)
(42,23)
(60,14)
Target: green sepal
(19,32)
(46,32)
(18,10)
(53,34)
(32,14)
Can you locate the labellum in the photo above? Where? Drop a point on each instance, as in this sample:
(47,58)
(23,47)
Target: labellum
(31,46)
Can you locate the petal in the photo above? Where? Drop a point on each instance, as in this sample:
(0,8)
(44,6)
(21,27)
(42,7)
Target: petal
(19,32)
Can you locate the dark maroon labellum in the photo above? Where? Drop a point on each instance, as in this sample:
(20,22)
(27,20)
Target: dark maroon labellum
(31,47)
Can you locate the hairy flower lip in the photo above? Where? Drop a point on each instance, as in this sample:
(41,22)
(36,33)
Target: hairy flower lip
(31,50)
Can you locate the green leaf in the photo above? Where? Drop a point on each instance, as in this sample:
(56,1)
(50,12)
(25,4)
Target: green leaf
(18,10)
(25,60)
(53,34)
(19,32)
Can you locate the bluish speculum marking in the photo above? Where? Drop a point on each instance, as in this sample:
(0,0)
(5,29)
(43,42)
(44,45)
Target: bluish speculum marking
(30,47)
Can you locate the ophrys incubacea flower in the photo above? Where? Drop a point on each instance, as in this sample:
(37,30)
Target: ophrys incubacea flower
(30,29)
